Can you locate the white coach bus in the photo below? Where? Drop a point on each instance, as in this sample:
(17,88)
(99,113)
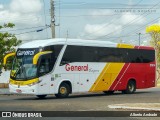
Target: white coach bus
(64,66)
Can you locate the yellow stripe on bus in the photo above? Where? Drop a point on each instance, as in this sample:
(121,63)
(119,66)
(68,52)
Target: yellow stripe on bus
(109,73)
(22,83)
(107,77)
(125,46)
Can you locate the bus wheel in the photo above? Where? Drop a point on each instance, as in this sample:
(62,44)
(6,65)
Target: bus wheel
(41,96)
(63,91)
(131,87)
(108,92)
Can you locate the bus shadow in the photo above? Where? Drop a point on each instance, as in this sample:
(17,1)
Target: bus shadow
(74,96)
(103,94)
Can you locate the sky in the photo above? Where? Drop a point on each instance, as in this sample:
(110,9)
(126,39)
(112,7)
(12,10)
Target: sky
(118,21)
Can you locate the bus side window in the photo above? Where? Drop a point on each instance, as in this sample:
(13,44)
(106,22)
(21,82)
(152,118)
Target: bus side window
(69,55)
(64,61)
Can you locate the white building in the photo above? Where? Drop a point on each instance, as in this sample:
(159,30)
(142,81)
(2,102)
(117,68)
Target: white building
(4,77)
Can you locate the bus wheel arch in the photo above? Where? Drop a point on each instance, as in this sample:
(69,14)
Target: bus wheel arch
(130,87)
(64,89)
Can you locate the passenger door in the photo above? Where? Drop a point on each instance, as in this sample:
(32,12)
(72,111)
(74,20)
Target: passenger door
(44,69)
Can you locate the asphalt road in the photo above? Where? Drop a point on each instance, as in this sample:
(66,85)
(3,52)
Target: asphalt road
(77,102)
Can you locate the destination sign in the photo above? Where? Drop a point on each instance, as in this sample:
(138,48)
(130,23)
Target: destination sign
(26,52)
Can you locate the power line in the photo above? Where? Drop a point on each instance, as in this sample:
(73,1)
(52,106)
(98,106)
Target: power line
(108,4)
(39,30)
(134,30)
(97,4)
(22,29)
(102,27)
(145,37)
(123,36)
(34,39)
(22,18)
(110,22)
(137,30)
(88,15)
(92,15)
(126,25)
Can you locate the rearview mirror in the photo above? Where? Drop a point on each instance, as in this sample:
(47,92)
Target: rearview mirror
(6,57)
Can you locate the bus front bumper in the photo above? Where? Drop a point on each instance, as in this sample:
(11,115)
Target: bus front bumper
(22,89)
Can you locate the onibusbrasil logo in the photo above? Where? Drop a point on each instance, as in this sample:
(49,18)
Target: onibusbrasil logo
(21,114)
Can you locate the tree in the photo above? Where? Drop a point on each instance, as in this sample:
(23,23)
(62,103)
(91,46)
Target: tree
(154,31)
(8,42)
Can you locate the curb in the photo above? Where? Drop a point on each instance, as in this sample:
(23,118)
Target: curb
(123,106)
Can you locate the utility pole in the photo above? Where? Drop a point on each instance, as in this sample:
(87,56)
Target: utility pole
(67,34)
(139,38)
(52,19)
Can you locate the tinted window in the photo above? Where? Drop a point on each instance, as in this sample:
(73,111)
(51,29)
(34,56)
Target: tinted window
(111,55)
(140,55)
(45,65)
(48,61)
(104,54)
(79,54)
(55,48)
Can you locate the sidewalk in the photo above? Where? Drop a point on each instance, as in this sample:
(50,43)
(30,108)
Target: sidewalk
(137,106)
(4,91)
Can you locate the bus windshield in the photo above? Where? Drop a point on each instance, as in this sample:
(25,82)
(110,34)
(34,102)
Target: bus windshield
(23,68)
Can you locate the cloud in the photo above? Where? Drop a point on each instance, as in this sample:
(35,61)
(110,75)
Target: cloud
(19,19)
(130,18)
(1,6)
(24,14)
(98,30)
(25,6)
(145,43)
(29,37)
(111,27)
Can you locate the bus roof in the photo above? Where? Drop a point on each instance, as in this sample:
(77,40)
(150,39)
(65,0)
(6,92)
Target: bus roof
(62,41)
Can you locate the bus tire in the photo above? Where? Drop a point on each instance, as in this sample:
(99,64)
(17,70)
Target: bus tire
(131,87)
(63,91)
(41,96)
(108,92)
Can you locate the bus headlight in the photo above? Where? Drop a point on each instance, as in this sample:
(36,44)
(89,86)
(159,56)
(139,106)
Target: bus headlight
(34,83)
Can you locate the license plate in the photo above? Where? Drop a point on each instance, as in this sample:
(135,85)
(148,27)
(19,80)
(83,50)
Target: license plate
(18,91)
